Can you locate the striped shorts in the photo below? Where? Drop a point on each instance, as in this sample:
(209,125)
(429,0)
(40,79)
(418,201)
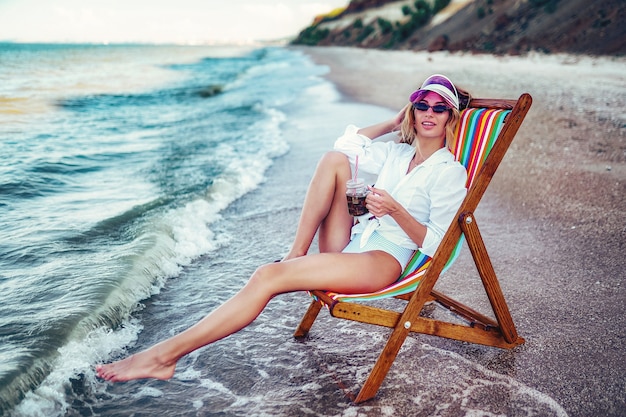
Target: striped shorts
(377,242)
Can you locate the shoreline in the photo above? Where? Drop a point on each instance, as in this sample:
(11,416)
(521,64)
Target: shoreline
(552,217)
(572,359)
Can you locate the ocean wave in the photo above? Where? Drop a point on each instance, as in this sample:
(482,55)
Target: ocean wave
(72,371)
(108,101)
(44,177)
(112,196)
(165,242)
(18,189)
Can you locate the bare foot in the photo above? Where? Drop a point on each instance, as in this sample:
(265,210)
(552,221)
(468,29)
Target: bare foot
(146,364)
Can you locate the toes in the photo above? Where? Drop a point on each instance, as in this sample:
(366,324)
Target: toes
(102,373)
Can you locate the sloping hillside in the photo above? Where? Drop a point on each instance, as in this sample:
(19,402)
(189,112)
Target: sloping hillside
(494,26)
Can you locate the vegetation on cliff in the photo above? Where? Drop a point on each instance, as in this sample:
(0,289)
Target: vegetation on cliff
(493,26)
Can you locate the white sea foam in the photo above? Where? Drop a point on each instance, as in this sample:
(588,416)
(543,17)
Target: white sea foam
(75,362)
(148,392)
(483,378)
(185,234)
(126,217)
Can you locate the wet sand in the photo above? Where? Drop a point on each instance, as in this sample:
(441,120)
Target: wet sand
(552,219)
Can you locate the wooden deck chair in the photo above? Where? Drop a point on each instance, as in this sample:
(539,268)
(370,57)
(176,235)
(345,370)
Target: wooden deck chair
(486,130)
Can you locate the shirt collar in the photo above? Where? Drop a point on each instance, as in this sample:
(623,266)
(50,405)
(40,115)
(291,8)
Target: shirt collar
(441,156)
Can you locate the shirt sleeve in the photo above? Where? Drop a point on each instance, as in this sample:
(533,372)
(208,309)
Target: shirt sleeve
(445,199)
(372,155)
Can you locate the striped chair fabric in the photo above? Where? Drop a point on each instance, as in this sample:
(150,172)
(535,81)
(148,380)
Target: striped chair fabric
(476,135)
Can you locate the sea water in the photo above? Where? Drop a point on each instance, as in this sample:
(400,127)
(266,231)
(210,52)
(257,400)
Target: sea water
(139,188)
(116,160)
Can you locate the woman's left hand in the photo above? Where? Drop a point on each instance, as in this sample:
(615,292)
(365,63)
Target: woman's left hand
(380,203)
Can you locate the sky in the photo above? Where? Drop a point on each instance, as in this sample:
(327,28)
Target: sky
(157,21)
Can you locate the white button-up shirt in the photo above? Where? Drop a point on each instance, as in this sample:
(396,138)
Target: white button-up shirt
(432,192)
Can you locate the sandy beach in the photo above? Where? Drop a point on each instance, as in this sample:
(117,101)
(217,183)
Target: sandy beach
(552,219)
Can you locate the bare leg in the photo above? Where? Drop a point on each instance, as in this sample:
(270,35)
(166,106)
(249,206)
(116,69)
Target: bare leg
(325,208)
(363,272)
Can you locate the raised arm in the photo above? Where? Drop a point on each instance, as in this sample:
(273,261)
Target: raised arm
(385,127)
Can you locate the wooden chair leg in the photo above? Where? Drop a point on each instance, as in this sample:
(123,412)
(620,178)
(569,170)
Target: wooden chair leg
(308,320)
(488,276)
(396,340)
(383,364)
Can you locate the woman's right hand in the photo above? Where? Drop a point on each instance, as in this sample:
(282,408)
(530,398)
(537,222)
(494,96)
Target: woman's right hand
(383,128)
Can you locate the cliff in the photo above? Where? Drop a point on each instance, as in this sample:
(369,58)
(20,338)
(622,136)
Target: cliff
(490,26)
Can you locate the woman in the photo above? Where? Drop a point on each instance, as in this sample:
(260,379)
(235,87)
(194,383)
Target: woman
(418,191)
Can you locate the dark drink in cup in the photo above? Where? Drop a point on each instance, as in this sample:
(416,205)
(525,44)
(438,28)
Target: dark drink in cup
(356,205)
(356,191)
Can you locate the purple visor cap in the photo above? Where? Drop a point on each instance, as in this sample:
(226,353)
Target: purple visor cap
(441,85)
